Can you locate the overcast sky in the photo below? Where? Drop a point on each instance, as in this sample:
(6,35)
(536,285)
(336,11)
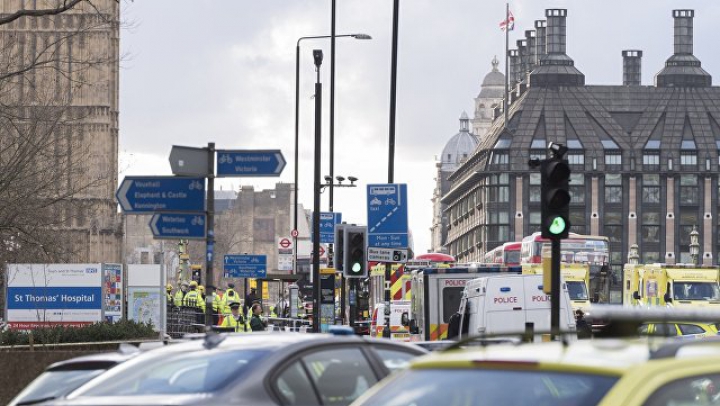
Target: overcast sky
(223,71)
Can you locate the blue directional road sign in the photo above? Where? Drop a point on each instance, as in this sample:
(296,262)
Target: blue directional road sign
(178,225)
(146,194)
(245,266)
(328,221)
(387,215)
(249,163)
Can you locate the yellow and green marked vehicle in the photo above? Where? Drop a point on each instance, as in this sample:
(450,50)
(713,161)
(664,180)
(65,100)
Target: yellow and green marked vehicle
(608,372)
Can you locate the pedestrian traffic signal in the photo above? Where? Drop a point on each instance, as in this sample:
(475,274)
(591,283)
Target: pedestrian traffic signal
(355,252)
(555,202)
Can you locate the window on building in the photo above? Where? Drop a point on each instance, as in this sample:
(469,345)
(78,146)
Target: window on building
(689,190)
(500,158)
(688,160)
(577,221)
(689,218)
(613,159)
(650,226)
(613,226)
(576,158)
(577,188)
(534,191)
(498,189)
(651,188)
(649,257)
(651,160)
(613,188)
(538,154)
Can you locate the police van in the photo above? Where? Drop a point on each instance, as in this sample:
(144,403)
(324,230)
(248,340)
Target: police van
(504,304)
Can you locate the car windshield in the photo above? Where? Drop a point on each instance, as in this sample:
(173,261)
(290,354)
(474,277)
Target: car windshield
(476,387)
(577,290)
(54,384)
(177,373)
(696,291)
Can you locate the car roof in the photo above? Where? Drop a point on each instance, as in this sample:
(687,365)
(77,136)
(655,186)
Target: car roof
(269,340)
(597,356)
(92,361)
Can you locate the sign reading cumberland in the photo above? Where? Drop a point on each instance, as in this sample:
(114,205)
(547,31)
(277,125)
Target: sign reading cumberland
(51,294)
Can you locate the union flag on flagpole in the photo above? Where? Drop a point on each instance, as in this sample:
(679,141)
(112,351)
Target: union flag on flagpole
(508,24)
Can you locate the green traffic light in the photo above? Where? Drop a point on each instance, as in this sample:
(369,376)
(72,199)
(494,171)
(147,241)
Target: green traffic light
(356,267)
(557,226)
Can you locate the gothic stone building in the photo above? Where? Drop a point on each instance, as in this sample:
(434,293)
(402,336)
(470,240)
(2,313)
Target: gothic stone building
(78,51)
(644,158)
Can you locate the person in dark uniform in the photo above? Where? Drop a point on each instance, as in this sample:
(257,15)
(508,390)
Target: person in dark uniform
(250,299)
(256,323)
(583,328)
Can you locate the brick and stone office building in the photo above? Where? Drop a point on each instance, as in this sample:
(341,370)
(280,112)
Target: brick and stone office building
(644,158)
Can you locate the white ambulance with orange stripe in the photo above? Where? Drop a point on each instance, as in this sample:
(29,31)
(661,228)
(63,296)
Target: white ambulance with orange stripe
(436,293)
(505,304)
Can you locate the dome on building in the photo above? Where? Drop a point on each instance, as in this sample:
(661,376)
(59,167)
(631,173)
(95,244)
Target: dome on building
(459,147)
(493,86)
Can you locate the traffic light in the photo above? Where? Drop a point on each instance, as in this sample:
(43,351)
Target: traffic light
(355,252)
(196,273)
(338,255)
(555,202)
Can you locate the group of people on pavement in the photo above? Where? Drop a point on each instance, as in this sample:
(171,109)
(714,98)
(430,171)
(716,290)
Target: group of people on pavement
(225,305)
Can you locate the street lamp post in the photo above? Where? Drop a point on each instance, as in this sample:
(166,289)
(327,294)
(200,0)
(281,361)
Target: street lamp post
(694,245)
(297,127)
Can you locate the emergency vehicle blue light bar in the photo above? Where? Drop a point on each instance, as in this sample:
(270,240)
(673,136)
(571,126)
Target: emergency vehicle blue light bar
(505,289)
(498,269)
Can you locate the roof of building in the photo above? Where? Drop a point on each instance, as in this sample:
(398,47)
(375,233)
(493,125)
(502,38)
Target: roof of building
(459,147)
(628,120)
(493,85)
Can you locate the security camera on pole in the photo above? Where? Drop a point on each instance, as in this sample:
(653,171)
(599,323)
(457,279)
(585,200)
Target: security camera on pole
(555,214)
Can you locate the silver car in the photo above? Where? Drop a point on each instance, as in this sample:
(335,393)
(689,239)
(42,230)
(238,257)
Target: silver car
(250,369)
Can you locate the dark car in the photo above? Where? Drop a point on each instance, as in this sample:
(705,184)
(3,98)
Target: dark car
(62,377)
(250,369)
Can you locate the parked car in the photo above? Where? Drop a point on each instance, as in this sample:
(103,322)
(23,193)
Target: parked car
(62,377)
(250,369)
(580,373)
(684,329)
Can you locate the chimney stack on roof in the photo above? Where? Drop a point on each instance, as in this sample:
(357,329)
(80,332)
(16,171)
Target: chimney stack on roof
(531,50)
(522,59)
(683,69)
(540,32)
(556,68)
(514,66)
(631,67)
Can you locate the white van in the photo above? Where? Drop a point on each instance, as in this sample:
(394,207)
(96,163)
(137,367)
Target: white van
(503,304)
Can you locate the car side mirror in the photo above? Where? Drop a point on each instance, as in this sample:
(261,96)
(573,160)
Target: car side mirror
(636,295)
(404,319)
(667,298)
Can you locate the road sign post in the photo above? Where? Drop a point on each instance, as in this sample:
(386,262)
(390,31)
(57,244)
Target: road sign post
(150,194)
(249,163)
(245,266)
(387,216)
(179,226)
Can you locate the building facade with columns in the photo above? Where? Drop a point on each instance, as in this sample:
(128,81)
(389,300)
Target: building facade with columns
(644,159)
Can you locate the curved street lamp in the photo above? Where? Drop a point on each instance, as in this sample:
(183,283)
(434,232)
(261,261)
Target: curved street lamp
(359,36)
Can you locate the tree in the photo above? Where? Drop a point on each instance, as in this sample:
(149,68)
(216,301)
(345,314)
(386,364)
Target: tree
(58,130)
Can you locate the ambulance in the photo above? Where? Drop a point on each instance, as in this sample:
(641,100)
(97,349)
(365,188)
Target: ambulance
(435,296)
(576,277)
(677,285)
(398,331)
(505,304)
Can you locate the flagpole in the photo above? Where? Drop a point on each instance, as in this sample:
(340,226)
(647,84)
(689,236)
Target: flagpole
(506,107)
